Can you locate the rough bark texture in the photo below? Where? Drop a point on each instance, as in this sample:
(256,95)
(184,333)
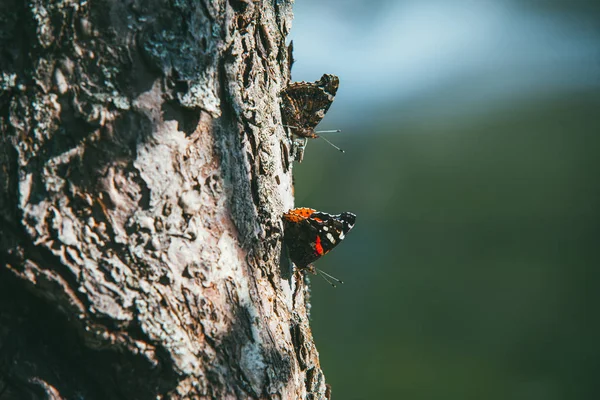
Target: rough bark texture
(143,174)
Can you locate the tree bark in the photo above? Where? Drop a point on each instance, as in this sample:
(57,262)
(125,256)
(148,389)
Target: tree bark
(144,172)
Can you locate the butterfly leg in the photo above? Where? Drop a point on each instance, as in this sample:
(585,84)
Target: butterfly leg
(298,146)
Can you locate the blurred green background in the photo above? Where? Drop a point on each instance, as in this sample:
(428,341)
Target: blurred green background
(472,138)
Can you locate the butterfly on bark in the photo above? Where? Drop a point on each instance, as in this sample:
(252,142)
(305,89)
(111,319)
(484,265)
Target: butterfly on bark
(310,234)
(304,104)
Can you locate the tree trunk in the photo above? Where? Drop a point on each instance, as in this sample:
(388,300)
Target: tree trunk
(144,172)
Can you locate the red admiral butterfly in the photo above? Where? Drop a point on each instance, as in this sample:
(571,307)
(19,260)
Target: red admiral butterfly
(310,234)
(304,105)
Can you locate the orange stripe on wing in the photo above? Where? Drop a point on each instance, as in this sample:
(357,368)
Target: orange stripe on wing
(298,214)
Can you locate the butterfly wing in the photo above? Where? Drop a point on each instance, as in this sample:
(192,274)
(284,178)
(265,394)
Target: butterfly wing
(332,229)
(304,104)
(310,234)
(301,241)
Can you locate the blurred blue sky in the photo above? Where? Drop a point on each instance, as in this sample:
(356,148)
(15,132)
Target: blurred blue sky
(453,54)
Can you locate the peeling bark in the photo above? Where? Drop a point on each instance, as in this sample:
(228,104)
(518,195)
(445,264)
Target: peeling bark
(144,172)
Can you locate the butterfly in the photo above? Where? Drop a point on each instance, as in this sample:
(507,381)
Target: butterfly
(310,234)
(304,104)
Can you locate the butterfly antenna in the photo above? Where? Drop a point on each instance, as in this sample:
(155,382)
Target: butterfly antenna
(333,145)
(330,131)
(320,273)
(330,276)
